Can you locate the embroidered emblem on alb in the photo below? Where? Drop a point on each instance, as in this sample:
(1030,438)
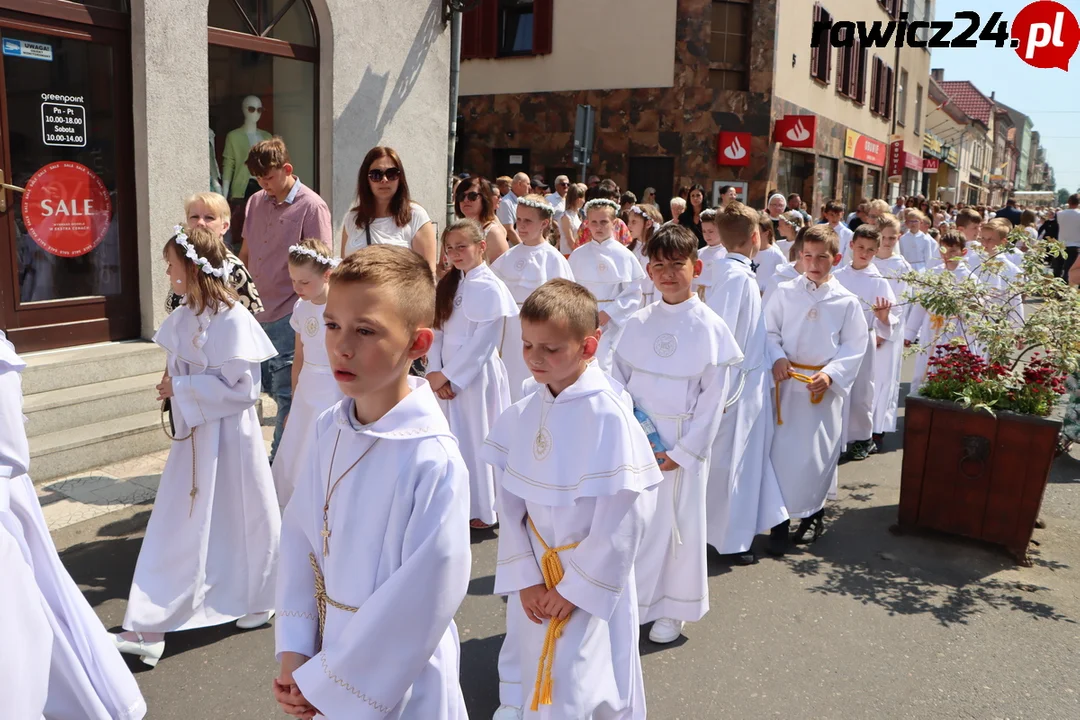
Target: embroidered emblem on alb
(666,345)
(519,265)
(458,301)
(542,444)
(812,314)
(311,327)
(602,267)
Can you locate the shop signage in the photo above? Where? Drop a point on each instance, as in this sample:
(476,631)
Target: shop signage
(63,124)
(863,148)
(896,160)
(796,131)
(931,145)
(930,165)
(953,157)
(28,50)
(733,148)
(740,191)
(66,208)
(913,162)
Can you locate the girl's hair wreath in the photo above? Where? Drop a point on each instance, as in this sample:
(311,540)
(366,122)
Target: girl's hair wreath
(331,262)
(536,205)
(638,210)
(202,263)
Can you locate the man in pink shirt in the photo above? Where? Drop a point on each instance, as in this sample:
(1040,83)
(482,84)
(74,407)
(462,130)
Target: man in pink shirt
(282,214)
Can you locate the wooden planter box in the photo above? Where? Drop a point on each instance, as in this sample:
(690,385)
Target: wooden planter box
(973,474)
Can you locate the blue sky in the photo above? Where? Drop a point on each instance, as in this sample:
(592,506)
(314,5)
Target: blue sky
(1051,98)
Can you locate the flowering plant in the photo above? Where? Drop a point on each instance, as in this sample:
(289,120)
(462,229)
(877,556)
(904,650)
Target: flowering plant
(1015,335)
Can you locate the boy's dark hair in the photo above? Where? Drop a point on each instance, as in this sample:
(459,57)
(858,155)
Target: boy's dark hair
(765,227)
(562,300)
(953,239)
(708,215)
(869,232)
(823,234)
(406,273)
(967,216)
(607,189)
(934,233)
(834,206)
(628,197)
(673,242)
(267,155)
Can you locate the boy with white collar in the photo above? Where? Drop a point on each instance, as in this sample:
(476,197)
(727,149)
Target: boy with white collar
(743,495)
(863,279)
(611,273)
(817,337)
(834,215)
(710,254)
(889,354)
(918,248)
(677,360)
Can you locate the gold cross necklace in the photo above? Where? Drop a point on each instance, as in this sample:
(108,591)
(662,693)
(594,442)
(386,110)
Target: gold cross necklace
(331,488)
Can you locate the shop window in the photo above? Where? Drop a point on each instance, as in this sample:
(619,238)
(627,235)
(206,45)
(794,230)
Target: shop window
(826,178)
(821,57)
(507,28)
(729,46)
(263,82)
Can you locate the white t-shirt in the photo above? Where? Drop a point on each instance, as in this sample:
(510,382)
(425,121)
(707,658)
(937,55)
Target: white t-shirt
(557,201)
(384,231)
(507,210)
(1069,226)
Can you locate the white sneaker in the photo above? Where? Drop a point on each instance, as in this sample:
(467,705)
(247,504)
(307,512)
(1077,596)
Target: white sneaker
(254,620)
(148,652)
(666,630)
(508,712)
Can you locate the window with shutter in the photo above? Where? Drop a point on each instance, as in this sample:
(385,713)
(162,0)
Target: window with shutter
(860,73)
(729,45)
(842,63)
(543,20)
(875,84)
(889,91)
(821,57)
(470,33)
(815,52)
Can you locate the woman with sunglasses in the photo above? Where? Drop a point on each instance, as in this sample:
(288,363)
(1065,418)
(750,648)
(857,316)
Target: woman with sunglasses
(475,199)
(384,214)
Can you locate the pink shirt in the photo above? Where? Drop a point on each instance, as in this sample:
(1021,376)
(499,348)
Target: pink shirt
(270,228)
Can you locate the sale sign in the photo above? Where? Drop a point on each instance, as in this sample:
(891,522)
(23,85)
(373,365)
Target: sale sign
(66,209)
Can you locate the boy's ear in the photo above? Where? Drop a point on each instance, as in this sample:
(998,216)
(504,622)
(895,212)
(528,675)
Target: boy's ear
(592,342)
(421,344)
(698,266)
(288,168)
(837,259)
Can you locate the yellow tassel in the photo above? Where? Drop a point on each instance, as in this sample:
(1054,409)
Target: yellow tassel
(815,398)
(552,570)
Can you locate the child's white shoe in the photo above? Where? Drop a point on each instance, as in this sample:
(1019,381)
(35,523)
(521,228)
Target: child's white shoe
(148,652)
(254,620)
(508,712)
(666,630)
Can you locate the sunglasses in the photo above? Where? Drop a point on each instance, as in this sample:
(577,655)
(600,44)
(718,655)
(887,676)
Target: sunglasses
(471,196)
(390,174)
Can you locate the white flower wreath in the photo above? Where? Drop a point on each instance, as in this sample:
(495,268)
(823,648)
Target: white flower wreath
(638,210)
(200,262)
(601,202)
(319,257)
(537,205)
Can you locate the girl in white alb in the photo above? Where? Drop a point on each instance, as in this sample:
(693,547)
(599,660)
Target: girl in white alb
(524,268)
(890,353)
(314,387)
(643,222)
(472,306)
(210,550)
(611,273)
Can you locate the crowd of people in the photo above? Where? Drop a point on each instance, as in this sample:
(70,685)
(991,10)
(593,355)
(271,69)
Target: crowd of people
(615,392)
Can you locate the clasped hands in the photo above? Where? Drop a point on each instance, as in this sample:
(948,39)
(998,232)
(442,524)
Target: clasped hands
(286,692)
(541,604)
(440,385)
(819,381)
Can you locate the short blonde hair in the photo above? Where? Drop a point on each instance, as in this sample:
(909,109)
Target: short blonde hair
(914,213)
(888,220)
(564,301)
(406,274)
(880,207)
(678,202)
(214,202)
(1000,226)
(736,223)
(823,234)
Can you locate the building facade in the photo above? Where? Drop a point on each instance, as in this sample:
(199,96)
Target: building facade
(124,109)
(977,147)
(705,92)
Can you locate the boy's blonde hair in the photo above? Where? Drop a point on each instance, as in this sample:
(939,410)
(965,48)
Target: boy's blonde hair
(406,274)
(888,220)
(914,213)
(967,217)
(823,234)
(880,207)
(564,301)
(214,202)
(736,223)
(999,226)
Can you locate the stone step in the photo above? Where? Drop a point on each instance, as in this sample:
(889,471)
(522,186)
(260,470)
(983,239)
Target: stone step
(73,407)
(89,364)
(66,452)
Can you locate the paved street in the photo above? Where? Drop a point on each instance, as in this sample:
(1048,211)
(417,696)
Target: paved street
(862,624)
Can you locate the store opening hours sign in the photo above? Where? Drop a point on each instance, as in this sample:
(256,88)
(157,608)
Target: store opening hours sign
(63,124)
(66,209)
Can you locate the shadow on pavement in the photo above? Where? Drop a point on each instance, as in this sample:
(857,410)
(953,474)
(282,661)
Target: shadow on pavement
(941,576)
(480,685)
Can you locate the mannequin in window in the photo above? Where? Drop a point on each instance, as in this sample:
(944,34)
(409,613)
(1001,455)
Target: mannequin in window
(236,183)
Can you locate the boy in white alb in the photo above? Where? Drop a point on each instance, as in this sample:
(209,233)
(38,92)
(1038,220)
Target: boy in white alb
(58,661)
(817,337)
(1001,270)
(611,273)
(890,353)
(788,271)
(524,268)
(834,216)
(867,283)
(678,360)
(708,255)
(769,257)
(743,496)
(314,389)
(577,489)
(375,542)
(918,248)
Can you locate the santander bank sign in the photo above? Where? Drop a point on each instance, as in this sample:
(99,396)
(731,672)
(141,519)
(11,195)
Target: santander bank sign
(66,209)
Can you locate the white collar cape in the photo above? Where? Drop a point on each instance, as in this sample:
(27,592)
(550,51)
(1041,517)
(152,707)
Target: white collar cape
(236,336)
(418,415)
(595,446)
(484,297)
(9,359)
(870,270)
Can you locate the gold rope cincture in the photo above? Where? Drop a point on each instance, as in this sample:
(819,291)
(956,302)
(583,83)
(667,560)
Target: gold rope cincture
(552,569)
(191,436)
(322,599)
(815,398)
(330,490)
